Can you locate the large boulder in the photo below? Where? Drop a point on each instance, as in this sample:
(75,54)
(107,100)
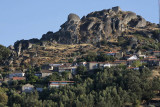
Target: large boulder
(21,45)
(11,47)
(18,48)
(141,22)
(68,34)
(128,17)
(73,17)
(116,9)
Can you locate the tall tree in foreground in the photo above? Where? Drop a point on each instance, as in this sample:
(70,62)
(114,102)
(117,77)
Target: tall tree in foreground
(4,53)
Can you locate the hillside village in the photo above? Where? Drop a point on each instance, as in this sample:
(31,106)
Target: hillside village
(135,61)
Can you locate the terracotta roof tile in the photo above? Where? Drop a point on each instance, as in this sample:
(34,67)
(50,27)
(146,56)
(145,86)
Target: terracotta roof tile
(62,81)
(18,78)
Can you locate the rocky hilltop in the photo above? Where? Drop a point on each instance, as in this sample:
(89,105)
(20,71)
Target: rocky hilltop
(97,26)
(105,25)
(114,28)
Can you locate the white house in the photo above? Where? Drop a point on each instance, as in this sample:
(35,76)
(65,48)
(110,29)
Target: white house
(16,74)
(134,57)
(109,65)
(57,84)
(142,56)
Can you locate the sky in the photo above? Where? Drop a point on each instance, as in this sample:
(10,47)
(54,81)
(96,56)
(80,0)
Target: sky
(27,19)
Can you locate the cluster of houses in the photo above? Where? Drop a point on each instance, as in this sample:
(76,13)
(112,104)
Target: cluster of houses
(150,60)
(48,69)
(30,88)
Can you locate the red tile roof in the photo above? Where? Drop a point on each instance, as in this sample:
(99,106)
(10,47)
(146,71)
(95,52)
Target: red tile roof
(62,81)
(151,57)
(18,78)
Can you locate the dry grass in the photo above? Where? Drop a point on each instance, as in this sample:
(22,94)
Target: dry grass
(156,72)
(62,47)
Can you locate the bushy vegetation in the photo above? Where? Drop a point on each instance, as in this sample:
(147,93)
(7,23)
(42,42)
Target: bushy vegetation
(114,87)
(4,53)
(91,56)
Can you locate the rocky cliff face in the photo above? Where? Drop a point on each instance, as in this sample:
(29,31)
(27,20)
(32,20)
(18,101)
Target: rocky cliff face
(21,45)
(96,26)
(105,25)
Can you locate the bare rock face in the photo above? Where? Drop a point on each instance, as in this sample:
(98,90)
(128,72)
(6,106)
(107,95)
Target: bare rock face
(73,17)
(128,17)
(11,47)
(116,9)
(96,26)
(68,33)
(18,47)
(141,22)
(21,45)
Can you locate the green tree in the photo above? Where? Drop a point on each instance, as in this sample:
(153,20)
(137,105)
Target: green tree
(16,105)
(4,53)
(65,75)
(31,78)
(137,63)
(91,57)
(103,57)
(3,97)
(70,60)
(81,70)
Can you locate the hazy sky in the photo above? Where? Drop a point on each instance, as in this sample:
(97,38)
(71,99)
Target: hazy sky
(26,19)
